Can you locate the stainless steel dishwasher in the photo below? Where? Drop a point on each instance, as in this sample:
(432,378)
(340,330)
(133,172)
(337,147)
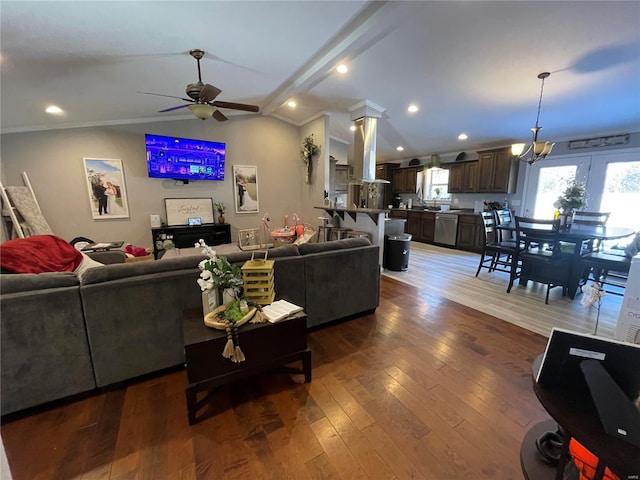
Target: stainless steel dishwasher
(446,229)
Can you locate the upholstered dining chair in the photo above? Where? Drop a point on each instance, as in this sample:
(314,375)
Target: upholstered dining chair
(496,255)
(538,256)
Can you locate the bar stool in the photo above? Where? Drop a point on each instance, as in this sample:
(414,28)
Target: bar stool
(324,230)
(338,233)
(357,234)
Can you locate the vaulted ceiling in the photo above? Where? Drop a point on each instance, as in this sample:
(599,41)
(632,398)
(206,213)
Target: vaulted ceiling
(470,67)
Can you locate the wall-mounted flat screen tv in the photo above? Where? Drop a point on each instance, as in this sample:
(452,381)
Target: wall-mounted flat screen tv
(184,158)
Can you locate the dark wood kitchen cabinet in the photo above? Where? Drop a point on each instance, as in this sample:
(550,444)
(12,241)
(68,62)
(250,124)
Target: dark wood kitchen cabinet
(463,177)
(421,225)
(498,171)
(470,233)
(404,180)
(384,171)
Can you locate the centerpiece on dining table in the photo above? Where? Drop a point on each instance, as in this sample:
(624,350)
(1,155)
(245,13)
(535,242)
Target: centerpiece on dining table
(571,200)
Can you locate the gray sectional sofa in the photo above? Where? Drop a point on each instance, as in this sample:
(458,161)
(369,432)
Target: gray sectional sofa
(64,334)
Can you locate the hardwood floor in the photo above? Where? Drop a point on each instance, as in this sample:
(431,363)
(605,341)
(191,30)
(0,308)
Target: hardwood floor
(424,388)
(451,274)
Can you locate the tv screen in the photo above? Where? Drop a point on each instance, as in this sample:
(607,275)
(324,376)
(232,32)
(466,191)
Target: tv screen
(184,158)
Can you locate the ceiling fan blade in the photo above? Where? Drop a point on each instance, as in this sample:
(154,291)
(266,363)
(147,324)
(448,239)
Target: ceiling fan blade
(236,106)
(209,93)
(169,96)
(218,115)
(171,109)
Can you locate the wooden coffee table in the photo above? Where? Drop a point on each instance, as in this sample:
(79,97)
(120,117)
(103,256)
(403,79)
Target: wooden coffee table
(266,347)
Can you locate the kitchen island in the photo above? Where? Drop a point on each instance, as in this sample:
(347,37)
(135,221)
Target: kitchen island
(370,220)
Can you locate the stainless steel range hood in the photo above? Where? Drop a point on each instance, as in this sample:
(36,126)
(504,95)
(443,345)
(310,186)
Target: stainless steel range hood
(364,188)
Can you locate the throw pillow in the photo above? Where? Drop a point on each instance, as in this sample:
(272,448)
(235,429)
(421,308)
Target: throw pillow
(86,263)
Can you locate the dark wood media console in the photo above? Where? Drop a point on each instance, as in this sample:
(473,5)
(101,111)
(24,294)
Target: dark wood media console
(184,236)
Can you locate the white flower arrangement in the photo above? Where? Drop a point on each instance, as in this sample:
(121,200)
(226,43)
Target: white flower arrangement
(592,294)
(217,272)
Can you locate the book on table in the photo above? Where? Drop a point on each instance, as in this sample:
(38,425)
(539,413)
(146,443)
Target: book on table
(279,310)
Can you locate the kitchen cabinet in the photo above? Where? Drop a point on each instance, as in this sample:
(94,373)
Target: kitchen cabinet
(470,233)
(404,180)
(463,177)
(421,225)
(384,171)
(498,171)
(338,177)
(343,172)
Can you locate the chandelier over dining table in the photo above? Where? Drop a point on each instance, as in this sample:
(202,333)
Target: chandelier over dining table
(538,150)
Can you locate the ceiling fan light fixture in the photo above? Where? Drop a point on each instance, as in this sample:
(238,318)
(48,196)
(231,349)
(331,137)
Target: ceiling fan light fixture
(538,149)
(202,110)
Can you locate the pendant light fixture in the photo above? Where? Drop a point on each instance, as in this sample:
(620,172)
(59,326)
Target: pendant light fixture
(538,150)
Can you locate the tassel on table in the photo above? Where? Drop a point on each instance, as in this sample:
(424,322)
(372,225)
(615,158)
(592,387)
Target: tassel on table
(228,348)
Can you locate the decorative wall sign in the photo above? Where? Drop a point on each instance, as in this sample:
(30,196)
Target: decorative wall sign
(105,184)
(599,142)
(180,210)
(246,188)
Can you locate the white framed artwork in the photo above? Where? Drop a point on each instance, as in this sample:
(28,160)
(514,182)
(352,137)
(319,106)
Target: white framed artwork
(106,188)
(246,188)
(189,211)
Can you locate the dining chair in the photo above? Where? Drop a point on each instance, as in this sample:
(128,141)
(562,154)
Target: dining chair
(538,256)
(595,219)
(504,217)
(496,255)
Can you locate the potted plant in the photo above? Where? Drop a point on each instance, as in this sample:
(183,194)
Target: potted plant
(572,199)
(217,273)
(220,208)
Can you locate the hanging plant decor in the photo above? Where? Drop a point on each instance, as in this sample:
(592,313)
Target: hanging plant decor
(307,152)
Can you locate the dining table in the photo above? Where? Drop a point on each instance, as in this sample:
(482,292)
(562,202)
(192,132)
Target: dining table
(576,235)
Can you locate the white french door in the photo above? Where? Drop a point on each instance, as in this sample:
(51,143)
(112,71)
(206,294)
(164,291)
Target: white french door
(612,185)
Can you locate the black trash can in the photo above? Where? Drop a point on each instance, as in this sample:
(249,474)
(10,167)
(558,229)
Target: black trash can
(396,252)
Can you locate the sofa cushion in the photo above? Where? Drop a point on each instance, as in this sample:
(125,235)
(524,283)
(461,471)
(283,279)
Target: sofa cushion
(307,248)
(118,271)
(29,282)
(38,254)
(278,252)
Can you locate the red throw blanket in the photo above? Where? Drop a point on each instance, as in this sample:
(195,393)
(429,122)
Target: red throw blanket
(38,254)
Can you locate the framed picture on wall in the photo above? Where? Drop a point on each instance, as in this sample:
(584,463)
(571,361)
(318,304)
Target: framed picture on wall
(105,184)
(246,188)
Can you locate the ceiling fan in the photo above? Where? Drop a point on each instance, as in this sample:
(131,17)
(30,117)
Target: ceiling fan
(202,97)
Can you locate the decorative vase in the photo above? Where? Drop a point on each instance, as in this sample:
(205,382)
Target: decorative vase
(228,295)
(221,219)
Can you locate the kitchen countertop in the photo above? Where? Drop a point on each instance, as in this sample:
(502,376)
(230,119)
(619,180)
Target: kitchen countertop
(460,211)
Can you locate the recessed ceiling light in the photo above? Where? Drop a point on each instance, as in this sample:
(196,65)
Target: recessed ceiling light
(399,148)
(413,108)
(342,68)
(53,109)
(462,136)
(292,104)
(352,128)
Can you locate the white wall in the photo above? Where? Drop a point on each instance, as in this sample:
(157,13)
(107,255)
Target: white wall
(53,162)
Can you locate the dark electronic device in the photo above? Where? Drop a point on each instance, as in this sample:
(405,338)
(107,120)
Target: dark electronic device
(184,159)
(604,369)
